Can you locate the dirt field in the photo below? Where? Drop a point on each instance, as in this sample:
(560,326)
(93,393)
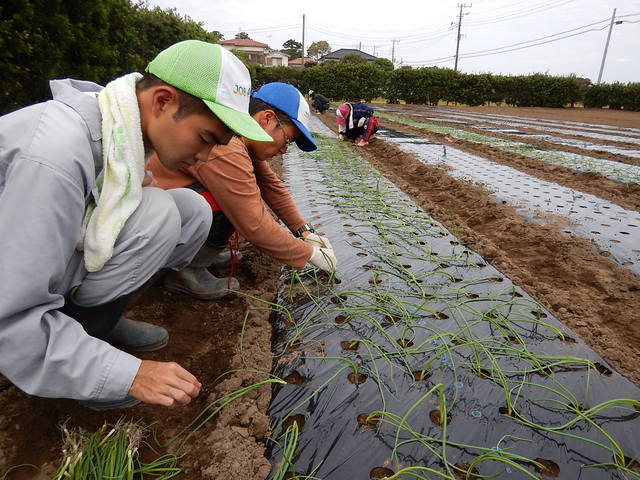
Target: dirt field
(593,296)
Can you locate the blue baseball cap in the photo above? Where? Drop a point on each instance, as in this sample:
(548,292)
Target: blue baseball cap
(288,99)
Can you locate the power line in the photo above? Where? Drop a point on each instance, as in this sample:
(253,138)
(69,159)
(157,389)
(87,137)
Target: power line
(524,13)
(521,45)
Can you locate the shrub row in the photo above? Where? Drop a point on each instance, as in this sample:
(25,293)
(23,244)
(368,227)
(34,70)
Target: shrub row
(97,41)
(44,39)
(431,85)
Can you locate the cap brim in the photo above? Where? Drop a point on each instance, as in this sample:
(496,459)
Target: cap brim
(241,123)
(305,141)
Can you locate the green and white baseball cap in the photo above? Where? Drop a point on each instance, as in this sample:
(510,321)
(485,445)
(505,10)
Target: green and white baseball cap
(217,77)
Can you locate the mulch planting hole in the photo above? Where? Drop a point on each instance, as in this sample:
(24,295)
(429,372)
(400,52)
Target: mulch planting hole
(548,468)
(299,419)
(368,420)
(420,375)
(436,419)
(357,378)
(603,370)
(380,472)
(404,342)
(338,299)
(350,345)
(294,378)
(464,472)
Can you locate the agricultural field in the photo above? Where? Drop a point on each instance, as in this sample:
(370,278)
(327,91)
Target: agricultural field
(483,321)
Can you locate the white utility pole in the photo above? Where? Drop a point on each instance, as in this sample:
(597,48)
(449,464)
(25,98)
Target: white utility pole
(393,50)
(455,67)
(303,39)
(606,47)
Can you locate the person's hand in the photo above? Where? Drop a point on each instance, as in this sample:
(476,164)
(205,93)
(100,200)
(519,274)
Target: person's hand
(164,383)
(361,142)
(341,137)
(361,122)
(323,256)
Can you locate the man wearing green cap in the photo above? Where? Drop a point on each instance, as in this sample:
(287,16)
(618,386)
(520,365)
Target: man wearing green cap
(80,234)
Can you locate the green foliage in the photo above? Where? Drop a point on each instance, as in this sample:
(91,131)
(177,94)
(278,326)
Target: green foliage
(384,64)
(318,49)
(352,58)
(97,41)
(243,35)
(278,74)
(292,48)
(364,81)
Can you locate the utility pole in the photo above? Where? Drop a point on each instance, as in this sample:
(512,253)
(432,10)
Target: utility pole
(360,45)
(606,47)
(455,67)
(303,19)
(393,50)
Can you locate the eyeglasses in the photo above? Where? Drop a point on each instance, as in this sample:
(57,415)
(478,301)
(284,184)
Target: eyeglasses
(284,133)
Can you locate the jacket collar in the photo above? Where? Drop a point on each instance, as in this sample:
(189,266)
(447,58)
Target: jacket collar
(80,95)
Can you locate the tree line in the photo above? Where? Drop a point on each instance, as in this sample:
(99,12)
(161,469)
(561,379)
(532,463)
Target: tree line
(98,41)
(347,80)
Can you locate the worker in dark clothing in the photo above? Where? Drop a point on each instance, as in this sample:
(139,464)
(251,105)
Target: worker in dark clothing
(320,103)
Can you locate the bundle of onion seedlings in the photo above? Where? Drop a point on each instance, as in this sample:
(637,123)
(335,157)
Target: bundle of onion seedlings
(110,452)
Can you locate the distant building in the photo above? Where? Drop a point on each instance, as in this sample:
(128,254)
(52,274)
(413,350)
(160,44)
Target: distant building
(338,54)
(257,52)
(298,61)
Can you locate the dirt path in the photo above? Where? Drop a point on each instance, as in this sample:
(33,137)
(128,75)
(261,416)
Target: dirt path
(592,295)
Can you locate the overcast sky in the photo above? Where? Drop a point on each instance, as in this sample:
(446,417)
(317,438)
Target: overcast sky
(426,30)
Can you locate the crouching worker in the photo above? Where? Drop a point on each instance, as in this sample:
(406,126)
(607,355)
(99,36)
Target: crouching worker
(80,234)
(356,123)
(320,103)
(237,181)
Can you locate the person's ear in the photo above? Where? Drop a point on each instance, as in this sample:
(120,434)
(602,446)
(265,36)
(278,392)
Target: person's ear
(265,118)
(163,98)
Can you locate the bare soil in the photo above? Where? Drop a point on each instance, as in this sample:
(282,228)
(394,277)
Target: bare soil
(589,293)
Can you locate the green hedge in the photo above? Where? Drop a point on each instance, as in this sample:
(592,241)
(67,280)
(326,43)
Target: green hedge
(44,39)
(97,41)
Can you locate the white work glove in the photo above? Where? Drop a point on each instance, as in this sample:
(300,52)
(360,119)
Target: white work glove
(361,122)
(322,256)
(341,137)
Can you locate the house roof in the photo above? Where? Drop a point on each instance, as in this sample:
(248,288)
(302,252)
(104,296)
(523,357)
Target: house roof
(338,54)
(298,61)
(243,42)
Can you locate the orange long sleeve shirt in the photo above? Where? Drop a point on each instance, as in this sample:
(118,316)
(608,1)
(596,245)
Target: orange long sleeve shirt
(241,187)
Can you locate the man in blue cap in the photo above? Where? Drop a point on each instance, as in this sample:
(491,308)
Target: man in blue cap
(238,183)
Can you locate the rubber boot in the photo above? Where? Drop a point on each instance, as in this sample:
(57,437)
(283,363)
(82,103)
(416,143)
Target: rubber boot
(107,323)
(197,281)
(223,259)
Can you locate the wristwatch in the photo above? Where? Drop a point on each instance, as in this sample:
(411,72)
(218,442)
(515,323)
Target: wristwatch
(307,227)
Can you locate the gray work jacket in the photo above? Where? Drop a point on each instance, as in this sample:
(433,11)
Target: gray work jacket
(49,153)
